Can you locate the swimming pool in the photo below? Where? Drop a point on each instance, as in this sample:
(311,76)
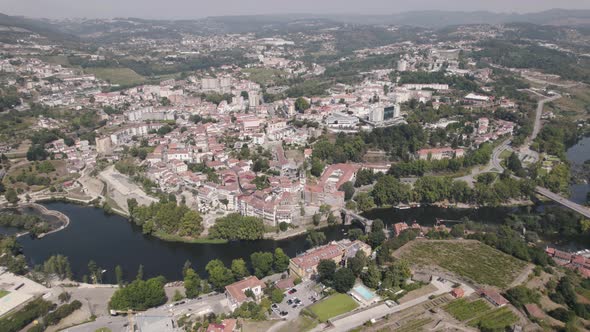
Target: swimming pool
(363,291)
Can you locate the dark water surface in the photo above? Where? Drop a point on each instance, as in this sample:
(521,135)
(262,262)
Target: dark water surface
(111,240)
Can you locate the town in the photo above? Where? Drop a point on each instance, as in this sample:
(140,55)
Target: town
(390,176)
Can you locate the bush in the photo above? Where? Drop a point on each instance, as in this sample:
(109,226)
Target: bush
(62,312)
(562,314)
(25,316)
(139,295)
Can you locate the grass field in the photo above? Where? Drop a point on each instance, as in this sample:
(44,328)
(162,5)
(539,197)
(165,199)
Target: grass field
(463,310)
(494,320)
(471,259)
(333,306)
(302,323)
(263,75)
(505,154)
(3,293)
(574,105)
(121,76)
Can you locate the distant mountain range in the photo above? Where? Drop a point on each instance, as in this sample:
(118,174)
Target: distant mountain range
(72,30)
(439,19)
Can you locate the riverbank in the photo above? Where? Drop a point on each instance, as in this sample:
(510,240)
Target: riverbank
(42,211)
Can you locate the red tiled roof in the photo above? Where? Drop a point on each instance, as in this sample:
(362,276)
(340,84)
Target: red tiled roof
(313,257)
(494,296)
(227,325)
(236,290)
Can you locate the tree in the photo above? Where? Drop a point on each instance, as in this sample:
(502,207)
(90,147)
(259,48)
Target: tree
(262,263)
(343,280)
(390,191)
(326,270)
(139,295)
(177,296)
(237,227)
(372,277)
(316,218)
(331,219)
(355,234)
(11,196)
(348,189)
(281,260)
(139,275)
(376,238)
(219,275)
(59,266)
(357,263)
(95,272)
(249,293)
(131,205)
(277,295)
(317,167)
(239,269)
(377,225)
(364,201)
(192,283)
(283,226)
(187,265)
(458,230)
(364,177)
(64,297)
(119,275)
(190,224)
(513,163)
(315,238)
(301,104)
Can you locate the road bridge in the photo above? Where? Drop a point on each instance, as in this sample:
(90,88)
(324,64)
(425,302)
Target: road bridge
(563,201)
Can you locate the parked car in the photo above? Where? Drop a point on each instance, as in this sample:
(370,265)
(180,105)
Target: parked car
(283,313)
(290,301)
(293,291)
(274,306)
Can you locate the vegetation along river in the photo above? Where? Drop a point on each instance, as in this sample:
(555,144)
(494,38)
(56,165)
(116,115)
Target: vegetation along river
(111,240)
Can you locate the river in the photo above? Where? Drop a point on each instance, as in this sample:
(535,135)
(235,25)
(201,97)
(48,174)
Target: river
(111,240)
(577,155)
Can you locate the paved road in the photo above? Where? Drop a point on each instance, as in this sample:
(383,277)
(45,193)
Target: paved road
(538,114)
(214,303)
(564,201)
(350,322)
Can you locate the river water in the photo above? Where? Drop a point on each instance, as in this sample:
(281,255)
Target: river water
(577,155)
(112,240)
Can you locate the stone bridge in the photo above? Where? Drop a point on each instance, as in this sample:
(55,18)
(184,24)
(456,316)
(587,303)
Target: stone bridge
(350,216)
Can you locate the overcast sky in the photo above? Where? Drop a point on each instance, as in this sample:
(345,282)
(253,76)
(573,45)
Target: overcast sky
(201,8)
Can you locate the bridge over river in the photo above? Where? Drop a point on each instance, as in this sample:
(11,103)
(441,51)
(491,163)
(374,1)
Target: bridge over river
(350,216)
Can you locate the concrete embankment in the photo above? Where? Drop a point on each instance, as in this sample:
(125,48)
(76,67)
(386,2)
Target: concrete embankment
(65,220)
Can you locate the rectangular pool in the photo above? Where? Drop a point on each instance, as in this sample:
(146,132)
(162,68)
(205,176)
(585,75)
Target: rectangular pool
(363,291)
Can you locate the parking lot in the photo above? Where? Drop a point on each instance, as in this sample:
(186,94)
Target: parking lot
(295,301)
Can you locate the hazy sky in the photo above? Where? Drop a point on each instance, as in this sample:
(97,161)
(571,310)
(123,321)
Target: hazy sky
(202,8)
